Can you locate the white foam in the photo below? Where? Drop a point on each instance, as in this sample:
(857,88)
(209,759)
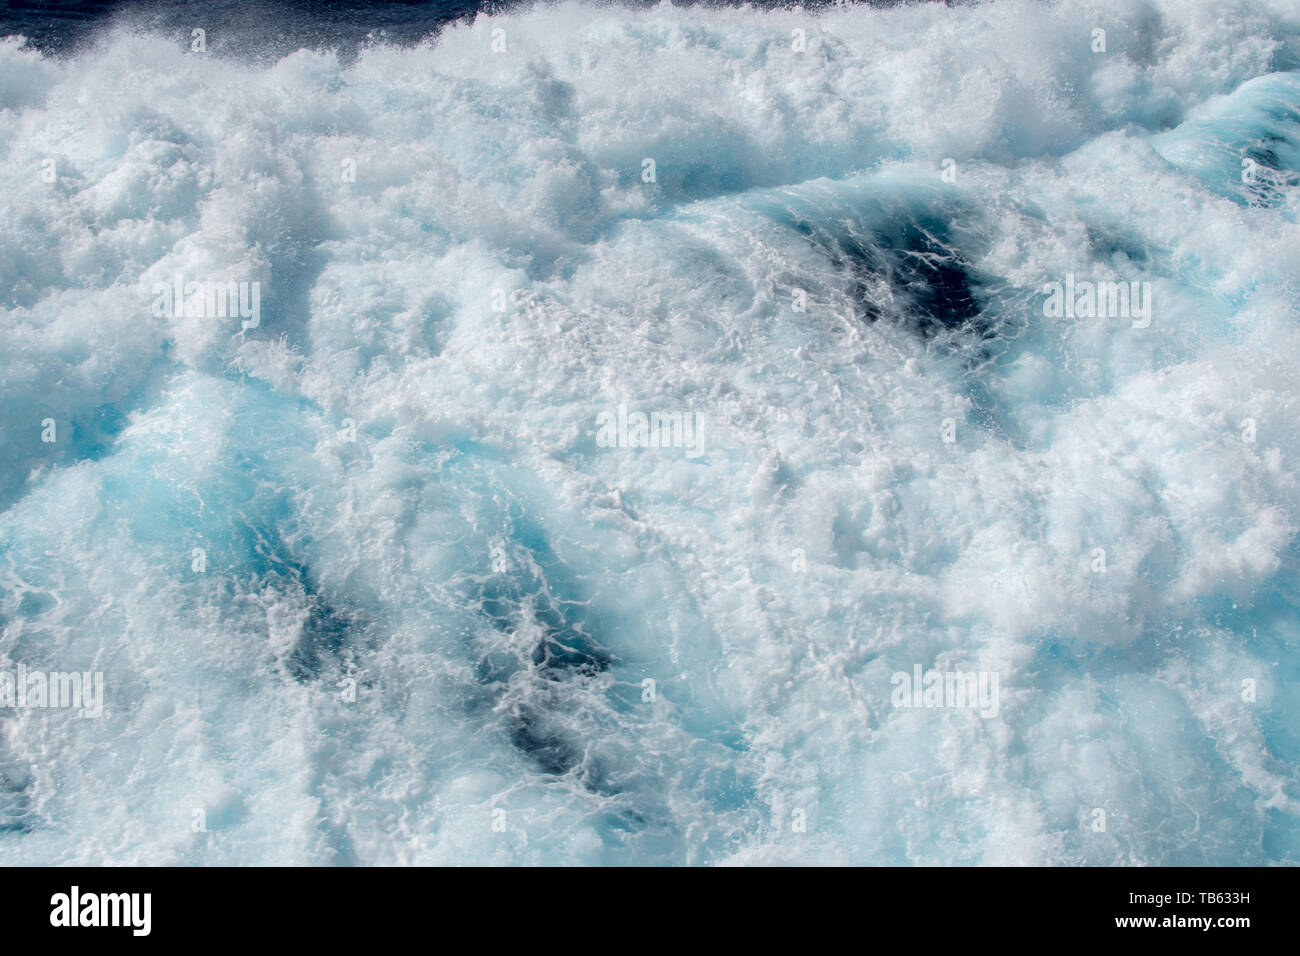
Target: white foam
(483,178)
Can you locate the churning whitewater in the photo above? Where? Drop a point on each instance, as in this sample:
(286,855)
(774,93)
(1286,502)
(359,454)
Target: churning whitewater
(672,435)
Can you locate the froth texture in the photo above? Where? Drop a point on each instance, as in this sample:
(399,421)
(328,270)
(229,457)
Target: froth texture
(386,577)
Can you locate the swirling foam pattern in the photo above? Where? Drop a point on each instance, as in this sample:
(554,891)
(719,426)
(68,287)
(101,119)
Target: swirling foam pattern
(919,467)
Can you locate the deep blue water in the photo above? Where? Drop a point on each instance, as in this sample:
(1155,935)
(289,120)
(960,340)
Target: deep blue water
(236,26)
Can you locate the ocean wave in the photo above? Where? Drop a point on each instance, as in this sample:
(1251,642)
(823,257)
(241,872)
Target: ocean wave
(380,565)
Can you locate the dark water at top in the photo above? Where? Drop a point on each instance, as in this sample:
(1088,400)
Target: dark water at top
(274,27)
(238,26)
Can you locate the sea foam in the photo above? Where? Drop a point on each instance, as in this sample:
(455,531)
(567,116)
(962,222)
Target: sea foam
(366,587)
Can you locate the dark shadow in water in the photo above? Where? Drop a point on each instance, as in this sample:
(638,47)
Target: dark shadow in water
(546,683)
(905,269)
